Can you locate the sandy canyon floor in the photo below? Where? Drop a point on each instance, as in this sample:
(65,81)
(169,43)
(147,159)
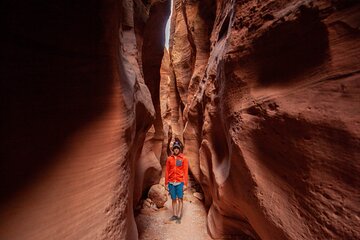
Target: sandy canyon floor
(155,225)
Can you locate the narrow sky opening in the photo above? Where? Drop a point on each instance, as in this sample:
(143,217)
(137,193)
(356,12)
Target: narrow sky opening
(167,28)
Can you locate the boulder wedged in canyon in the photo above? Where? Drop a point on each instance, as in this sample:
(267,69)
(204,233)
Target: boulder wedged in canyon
(271,111)
(158,195)
(76,111)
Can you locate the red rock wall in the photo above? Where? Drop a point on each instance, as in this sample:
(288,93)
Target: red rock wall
(271,106)
(148,164)
(169,106)
(75,113)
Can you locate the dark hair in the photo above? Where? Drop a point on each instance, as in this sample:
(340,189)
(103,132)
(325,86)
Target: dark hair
(177,140)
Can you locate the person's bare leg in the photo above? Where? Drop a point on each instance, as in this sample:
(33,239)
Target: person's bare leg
(179,208)
(174,207)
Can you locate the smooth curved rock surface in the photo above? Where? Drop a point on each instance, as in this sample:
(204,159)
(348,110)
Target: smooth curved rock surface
(76,111)
(148,164)
(272,130)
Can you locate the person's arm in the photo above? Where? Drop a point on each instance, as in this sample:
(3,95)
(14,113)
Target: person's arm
(186,171)
(167,172)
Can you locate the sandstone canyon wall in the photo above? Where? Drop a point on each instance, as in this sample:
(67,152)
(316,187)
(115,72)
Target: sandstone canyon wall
(270,96)
(75,113)
(265,95)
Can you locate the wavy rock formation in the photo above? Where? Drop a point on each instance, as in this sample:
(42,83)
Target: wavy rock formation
(148,166)
(271,107)
(265,95)
(77,105)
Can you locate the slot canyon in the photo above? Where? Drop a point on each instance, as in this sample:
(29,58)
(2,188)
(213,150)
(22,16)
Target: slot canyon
(264,95)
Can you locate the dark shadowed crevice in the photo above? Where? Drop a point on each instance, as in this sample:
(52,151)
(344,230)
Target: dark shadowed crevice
(152,54)
(43,96)
(342,4)
(153,47)
(189,36)
(291,48)
(207,12)
(224,28)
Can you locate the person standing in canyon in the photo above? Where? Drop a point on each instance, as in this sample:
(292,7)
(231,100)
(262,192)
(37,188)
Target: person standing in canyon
(176,179)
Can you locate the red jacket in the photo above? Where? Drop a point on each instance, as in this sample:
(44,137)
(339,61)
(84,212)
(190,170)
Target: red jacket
(177,168)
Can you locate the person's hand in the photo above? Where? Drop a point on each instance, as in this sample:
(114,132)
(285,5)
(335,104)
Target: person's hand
(166,188)
(185,188)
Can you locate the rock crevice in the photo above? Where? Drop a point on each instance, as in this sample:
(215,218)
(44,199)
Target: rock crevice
(263,94)
(270,123)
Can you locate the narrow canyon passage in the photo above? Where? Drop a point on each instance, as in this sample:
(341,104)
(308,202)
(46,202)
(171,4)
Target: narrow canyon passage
(264,95)
(153,223)
(157,226)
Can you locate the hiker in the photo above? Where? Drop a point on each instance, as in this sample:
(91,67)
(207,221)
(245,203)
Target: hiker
(176,176)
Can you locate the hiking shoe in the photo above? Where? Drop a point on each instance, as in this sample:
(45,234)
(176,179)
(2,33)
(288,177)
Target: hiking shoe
(178,220)
(173,218)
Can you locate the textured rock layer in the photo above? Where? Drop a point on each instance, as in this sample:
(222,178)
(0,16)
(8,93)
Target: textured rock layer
(271,114)
(265,95)
(76,107)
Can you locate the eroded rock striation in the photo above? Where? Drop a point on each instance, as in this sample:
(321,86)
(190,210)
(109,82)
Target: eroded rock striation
(269,93)
(77,106)
(264,94)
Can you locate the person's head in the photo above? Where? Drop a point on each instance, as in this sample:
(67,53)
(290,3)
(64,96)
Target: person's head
(176,148)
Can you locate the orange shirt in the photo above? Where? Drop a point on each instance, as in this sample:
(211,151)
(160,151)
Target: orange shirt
(177,168)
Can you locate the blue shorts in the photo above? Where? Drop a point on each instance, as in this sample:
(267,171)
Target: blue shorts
(176,191)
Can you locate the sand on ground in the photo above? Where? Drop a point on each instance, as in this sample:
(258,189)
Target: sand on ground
(155,225)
